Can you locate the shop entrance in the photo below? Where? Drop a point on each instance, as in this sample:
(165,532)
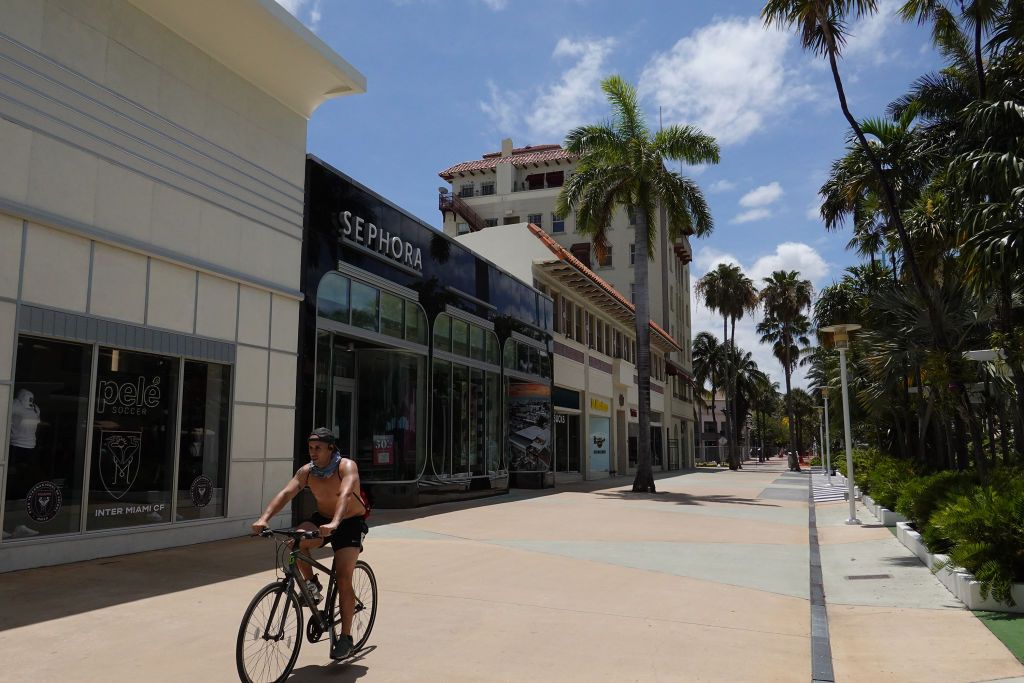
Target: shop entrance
(567,443)
(343,414)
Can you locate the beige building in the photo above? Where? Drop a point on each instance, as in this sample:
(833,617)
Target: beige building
(595,390)
(521,185)
(151,205)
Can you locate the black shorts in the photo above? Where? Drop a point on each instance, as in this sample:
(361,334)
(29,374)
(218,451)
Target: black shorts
(349,534)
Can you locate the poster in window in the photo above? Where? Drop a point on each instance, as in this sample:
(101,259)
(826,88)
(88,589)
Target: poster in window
(529,426)
(383,449)
(600,443)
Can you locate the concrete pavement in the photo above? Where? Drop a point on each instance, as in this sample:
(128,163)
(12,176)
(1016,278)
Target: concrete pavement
(705,581)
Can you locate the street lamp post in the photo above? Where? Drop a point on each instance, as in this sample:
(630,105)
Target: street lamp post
(821,438)
(842,342)
(828,448)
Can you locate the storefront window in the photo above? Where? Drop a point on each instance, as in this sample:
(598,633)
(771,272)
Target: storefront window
(441,419)
(364,306)
(322,394)
(493,416)
(460,419)
(567,442)
(391,322)
(46,452)
(509,355)
(390,415)
(529,428)
(332,298)
(476,342)
(477,424)
(133,439)
(460,337)
(415,324)
(443,333)
(203,451)
(491,350)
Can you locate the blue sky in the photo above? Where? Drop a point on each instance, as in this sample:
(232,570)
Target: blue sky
(447,79)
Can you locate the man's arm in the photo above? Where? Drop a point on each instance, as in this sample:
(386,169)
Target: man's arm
(349,486)
(278,502)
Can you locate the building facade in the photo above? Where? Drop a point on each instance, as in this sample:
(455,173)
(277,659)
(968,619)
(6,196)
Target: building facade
(431,364)
(595,388)
(521,185)
(151,205)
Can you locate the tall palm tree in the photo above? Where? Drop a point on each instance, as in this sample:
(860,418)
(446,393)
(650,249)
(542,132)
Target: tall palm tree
(732,294)
(622,164)
(822,29)
(785,297)
(708,367)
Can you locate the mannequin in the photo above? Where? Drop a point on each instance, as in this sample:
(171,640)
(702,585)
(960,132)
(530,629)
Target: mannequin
(24,420)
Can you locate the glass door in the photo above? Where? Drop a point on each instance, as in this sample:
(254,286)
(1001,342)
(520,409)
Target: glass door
(342,416)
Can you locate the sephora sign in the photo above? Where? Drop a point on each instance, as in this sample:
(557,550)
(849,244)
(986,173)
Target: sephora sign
(362,232)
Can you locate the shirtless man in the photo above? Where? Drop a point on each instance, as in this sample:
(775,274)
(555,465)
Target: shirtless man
(334,482)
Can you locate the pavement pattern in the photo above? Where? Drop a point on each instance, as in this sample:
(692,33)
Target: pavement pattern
(707,580)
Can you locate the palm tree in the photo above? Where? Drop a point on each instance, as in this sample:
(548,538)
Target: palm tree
(708,367)
(728,291)
(622,164)
(822,29)
(750,383)
(785,297)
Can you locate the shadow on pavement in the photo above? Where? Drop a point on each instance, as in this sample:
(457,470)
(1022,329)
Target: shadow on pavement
(677,498)
(907,561)
(345,670)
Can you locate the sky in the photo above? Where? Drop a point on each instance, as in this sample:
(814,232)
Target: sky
(448,79)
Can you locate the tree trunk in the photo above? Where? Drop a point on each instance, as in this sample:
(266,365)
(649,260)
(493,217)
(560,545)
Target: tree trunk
(889,195)
(644,481)
(734,448)
(728,390)
(794,458)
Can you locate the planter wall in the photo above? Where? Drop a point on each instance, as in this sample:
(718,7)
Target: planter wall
(957,581)
(886,516)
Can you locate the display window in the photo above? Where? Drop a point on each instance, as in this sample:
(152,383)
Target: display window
(105,428)
(47,440)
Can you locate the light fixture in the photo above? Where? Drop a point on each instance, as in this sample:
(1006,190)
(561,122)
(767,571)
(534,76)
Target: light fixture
(841,339)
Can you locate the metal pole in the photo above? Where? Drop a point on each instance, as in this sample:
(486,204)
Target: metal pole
(849,442)
(828,448)
(821,439)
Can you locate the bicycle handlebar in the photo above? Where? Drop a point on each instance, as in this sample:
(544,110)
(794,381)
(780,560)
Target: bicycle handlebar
(300,534)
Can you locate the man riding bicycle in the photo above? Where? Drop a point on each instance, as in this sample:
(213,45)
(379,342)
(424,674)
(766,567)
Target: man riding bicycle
(340,519)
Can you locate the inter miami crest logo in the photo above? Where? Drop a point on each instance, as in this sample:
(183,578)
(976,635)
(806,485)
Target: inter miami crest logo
(202,491)
(43,501)
(119,461)
(599,440)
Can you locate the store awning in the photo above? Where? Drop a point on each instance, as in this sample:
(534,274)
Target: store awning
(674,369)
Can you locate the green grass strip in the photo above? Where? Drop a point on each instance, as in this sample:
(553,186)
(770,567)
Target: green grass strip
(1008,628)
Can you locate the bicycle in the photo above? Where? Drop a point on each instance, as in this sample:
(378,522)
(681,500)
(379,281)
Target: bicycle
(271,630)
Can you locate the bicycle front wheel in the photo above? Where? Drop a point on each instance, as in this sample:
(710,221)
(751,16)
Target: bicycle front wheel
(270,636)
(364,585)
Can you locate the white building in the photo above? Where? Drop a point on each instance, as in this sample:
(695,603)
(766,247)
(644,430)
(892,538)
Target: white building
(595,389)
(151,205)
(521,185)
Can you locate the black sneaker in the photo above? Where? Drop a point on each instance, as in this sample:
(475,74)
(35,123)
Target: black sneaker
(342,647)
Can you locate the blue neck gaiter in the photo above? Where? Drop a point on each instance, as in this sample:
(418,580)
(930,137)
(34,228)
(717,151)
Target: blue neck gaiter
(328,471)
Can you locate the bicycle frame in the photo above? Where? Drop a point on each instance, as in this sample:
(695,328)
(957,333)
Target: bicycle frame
(294,578)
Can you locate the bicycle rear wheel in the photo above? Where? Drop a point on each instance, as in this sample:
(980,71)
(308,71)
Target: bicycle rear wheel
(364,584)
(269,636)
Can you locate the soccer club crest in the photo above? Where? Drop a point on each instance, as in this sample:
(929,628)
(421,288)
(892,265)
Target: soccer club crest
(202,491)
(119,461)
(43,501)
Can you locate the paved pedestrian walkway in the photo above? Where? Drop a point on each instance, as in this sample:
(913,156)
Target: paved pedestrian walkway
(708,580)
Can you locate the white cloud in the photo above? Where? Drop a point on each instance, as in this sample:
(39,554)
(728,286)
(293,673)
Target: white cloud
(868,35)
(787,256)
(558,107)
(306,11)
(496,5)
(752,215)
(722,186)
(762,196)
(813,212)
(797,256)
(728,78)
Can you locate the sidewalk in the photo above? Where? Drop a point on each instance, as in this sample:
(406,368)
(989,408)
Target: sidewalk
(707,580)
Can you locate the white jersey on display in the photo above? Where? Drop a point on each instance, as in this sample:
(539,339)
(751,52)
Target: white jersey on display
(24,420)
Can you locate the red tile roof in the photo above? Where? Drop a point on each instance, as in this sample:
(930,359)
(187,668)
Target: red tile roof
(521,156)
(564,254)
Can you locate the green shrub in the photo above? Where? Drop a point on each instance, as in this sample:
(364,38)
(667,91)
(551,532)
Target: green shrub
(922,496)
(887,479)
(864,461)
(986,530)
(816,461)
